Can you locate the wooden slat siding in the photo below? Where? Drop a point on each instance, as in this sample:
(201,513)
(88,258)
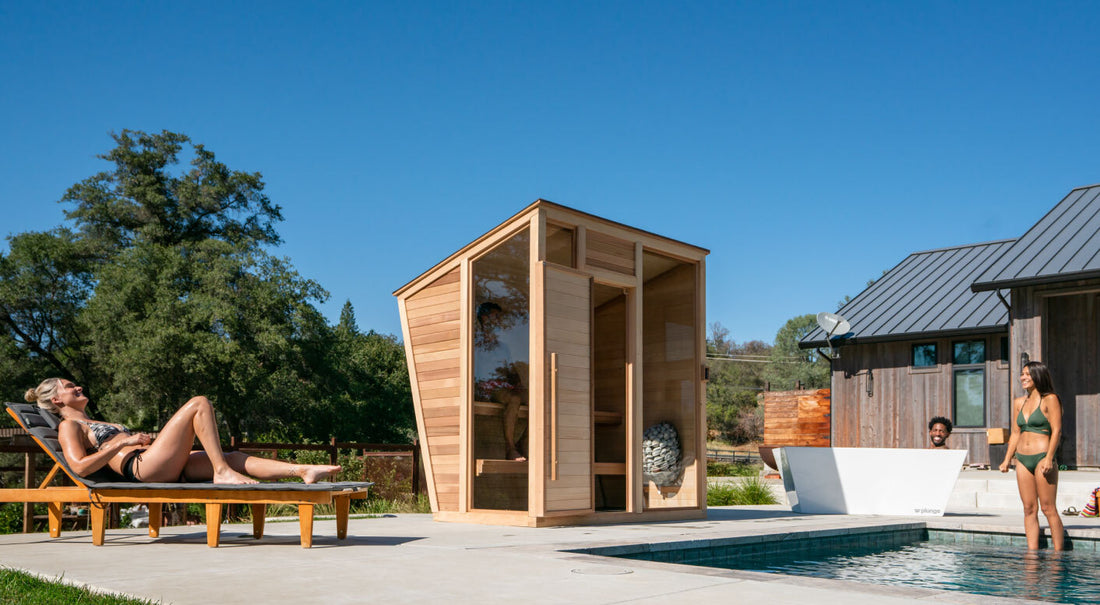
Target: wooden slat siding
(796,418)
(608,252)
(670,299)
(434,330)
(568,328)
(1072,347)
(904,398)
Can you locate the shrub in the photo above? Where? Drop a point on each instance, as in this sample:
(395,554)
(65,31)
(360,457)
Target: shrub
(735,424)
(746,492)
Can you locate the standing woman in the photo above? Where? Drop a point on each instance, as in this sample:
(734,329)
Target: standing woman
(1035,438)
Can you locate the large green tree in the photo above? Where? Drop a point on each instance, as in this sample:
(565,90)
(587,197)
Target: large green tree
(163,287)
(790,365)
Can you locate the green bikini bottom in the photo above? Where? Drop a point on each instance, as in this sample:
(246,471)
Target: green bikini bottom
(1030,461)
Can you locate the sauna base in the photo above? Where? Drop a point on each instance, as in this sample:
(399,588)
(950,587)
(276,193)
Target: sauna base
(522,519)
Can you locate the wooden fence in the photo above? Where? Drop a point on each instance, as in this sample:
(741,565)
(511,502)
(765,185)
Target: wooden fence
(797,418)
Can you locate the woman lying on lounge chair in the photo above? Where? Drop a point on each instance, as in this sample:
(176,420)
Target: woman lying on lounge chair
(90,445)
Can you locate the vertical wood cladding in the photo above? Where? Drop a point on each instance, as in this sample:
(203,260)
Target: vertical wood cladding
(903,399)
(434,331)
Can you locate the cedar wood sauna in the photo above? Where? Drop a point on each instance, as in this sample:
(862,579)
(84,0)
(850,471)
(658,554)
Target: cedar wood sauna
(597,329)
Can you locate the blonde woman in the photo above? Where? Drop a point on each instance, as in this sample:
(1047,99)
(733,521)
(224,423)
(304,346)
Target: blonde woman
(90,445)
(1036,433)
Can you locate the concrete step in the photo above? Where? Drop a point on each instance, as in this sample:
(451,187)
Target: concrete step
(993,490)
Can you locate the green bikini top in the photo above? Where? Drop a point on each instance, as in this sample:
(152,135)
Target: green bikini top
(1033,425)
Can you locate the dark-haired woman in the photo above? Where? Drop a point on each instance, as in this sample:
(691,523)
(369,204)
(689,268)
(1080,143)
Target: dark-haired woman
(90,445)
(1036,433)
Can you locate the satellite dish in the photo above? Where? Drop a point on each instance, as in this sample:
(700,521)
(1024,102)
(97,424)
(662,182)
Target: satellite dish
(834,325)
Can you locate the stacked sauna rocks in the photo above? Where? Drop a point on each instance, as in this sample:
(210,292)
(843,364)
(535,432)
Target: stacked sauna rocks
(661,454)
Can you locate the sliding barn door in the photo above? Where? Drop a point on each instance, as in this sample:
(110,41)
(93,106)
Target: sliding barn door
(568,329)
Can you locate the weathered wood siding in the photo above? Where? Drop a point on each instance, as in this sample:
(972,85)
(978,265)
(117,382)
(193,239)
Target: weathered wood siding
(797,418)
(434,331)
(1059,325)
(903,399)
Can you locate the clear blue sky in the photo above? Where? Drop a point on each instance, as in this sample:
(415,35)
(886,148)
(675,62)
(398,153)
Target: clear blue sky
(808,145)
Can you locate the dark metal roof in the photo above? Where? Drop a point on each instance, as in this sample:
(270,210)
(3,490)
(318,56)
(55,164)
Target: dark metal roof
(927,295)
(1064,245)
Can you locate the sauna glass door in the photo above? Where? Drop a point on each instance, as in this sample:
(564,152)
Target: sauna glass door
(611,352)
(568,338)
(501,385)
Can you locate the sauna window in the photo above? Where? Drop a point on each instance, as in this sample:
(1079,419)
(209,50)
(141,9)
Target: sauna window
(560,245)
(500,373)
(968,378)
(924,355)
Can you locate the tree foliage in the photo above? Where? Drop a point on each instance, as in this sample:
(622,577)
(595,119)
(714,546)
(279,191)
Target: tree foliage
(736,381)
(163,288)
(792,366)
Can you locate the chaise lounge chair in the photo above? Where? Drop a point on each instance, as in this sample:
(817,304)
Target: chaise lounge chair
(101,488)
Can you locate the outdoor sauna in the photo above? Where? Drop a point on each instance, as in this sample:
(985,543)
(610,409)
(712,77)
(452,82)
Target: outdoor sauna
(557,365)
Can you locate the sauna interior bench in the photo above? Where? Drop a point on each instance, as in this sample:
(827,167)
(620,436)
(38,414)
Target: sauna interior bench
(489,408)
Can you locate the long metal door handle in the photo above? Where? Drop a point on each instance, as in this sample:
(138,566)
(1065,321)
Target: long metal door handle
(553,416)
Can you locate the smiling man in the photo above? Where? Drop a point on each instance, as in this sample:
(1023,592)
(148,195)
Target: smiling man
(939,429)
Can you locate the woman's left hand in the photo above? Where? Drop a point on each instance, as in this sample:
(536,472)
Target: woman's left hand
(1045,466)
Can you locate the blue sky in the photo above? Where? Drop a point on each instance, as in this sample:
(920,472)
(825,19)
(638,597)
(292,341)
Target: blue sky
(808,145)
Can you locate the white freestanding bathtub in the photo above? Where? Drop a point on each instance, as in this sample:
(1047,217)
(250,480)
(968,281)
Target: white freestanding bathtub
(868,481)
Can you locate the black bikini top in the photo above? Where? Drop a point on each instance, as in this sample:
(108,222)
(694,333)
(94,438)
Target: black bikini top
(102,431)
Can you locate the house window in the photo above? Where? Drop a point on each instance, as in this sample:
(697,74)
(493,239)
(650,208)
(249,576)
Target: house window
(968,359)
(924,355)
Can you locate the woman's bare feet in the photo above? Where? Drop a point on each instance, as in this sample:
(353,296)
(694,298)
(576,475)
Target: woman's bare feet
(513,454)
(312,473)
(229,476)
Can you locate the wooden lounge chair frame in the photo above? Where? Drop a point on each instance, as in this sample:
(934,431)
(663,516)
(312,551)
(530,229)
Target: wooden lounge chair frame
(101,489)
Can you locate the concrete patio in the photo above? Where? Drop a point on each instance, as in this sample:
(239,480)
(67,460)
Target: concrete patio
(411,559)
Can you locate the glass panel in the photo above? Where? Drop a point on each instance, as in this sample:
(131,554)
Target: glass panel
(924,355)
(500,370)
(610,332)
(669,382)
(559,245)
(970,397)
(1004,349)
(969,351)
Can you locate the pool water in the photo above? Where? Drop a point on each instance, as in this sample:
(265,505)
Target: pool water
(1004,571)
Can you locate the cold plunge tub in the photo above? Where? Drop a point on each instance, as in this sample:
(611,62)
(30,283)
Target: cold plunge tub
(868,481)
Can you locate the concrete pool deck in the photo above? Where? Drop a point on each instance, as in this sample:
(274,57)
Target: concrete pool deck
(412,559)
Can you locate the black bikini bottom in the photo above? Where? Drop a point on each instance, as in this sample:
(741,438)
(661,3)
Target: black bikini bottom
(128,466)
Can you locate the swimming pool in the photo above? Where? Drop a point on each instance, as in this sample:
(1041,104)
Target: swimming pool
(908,556)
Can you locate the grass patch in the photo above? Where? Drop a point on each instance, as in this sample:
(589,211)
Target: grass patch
(25,589)
(747,492)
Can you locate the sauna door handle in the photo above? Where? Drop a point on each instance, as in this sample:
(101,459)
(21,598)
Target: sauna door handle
(553,416)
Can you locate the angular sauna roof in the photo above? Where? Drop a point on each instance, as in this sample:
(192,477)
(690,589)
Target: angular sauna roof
(566,215)
(926,296)
(1063,246)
